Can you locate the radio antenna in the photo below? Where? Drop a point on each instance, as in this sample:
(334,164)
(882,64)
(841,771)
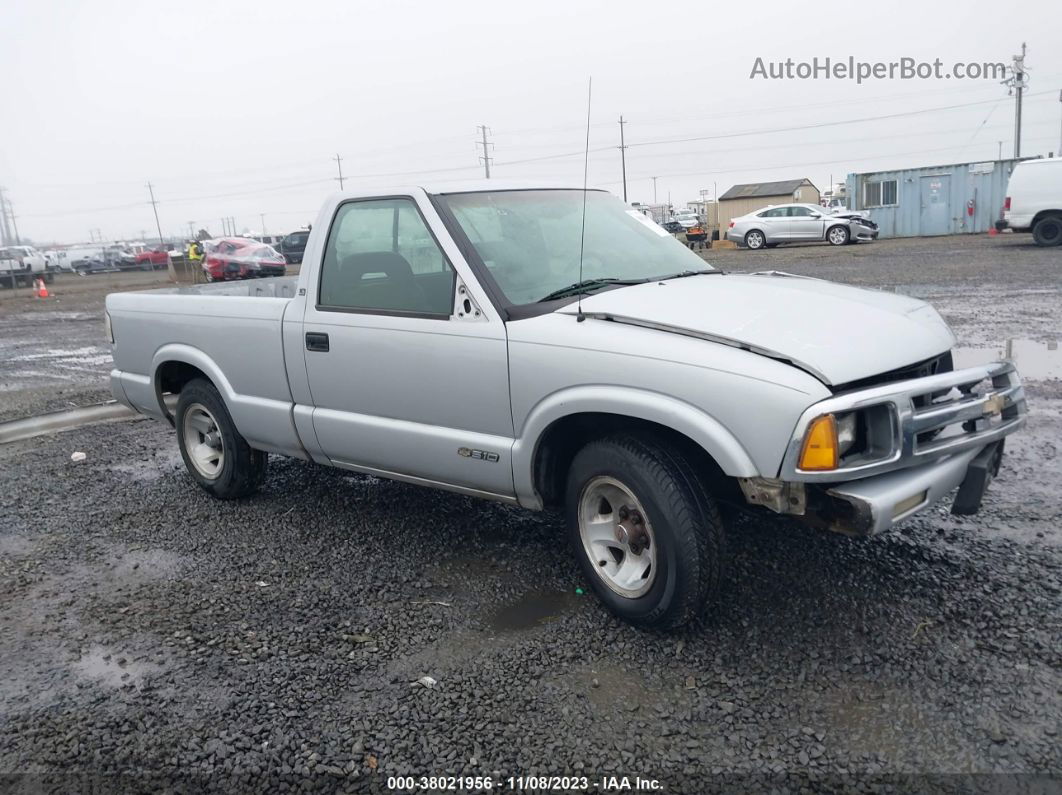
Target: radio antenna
(580,317)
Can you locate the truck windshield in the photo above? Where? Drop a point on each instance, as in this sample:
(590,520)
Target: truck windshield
(529,240)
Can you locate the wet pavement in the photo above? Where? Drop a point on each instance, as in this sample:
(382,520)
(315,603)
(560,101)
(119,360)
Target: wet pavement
(153,638)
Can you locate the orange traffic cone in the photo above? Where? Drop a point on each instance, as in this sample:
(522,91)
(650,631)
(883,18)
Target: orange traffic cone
(41,288)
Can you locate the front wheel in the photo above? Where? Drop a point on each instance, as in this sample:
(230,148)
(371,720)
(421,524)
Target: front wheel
(646,533)
(838,236)
(217,457)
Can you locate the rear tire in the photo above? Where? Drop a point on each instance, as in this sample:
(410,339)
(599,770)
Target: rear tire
(672,570)
(217,457)
(1048,231)
(755,239)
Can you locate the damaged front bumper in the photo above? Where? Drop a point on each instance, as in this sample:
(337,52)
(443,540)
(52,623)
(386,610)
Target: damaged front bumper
(873,505)
(947,432)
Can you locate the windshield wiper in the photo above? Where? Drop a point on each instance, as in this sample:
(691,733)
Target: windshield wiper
(684,274)
(588,284)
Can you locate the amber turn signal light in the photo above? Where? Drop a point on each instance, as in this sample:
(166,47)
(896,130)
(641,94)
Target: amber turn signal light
(820,445)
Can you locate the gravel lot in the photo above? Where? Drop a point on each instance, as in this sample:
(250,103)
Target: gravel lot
(153,638)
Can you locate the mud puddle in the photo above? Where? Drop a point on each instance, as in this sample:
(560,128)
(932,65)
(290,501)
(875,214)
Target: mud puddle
(533,610)
(1036,361)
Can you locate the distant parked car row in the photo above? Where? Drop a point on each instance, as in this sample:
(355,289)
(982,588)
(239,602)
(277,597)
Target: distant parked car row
(799,223)
(22,264)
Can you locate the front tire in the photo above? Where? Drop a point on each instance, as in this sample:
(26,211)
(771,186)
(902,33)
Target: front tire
(217,457)
(838,236)
(646,533)
(1048,231)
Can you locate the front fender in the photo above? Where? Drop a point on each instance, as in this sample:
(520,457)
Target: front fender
(640,404)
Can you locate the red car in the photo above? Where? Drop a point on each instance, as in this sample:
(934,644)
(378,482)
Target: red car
(152,259)
(240,258)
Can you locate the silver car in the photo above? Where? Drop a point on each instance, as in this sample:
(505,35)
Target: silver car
(798,223)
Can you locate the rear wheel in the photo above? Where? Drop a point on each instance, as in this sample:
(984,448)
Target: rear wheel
(838,236)
(1048,231)
(755,239)
(645,531)
(217,457)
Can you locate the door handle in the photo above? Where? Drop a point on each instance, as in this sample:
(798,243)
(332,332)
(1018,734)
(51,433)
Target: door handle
(316,341)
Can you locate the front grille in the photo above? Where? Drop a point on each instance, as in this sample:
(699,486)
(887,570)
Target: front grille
(935,411)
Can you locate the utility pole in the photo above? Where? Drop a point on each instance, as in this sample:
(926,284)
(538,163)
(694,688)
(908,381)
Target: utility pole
(14,223)
(999,155)
(155,208)
(262,216)
(191,230)
(339,165)
(1016,85)
(5,233)
(654,179)
(487,146)
(623,158)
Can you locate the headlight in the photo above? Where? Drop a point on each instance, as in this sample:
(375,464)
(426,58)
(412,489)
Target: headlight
(846,432)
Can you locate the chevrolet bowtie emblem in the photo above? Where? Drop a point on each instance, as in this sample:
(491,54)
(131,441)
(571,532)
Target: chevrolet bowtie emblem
(994,405)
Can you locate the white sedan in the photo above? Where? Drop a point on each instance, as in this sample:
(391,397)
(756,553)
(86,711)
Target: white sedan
(798,223)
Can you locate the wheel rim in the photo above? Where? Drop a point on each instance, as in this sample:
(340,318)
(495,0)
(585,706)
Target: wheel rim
(837,236)
(617,537)
(755,240)
(202,440)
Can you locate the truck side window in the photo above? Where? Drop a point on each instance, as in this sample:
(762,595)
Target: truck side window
(381,257)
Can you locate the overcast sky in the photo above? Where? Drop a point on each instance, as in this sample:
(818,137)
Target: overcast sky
(236,108)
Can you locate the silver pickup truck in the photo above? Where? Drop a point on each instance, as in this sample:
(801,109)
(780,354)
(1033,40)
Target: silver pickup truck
(551,347)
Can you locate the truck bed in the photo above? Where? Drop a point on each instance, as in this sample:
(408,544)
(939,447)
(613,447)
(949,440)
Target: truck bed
(231,331)
(277,287)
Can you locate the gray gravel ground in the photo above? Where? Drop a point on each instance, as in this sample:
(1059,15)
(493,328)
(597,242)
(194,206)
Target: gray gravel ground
(153,638)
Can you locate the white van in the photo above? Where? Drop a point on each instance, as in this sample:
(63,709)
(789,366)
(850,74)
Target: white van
(1034,200)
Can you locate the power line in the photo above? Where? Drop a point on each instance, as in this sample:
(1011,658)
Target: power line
(485,157)
(902,114)
(559,156)
(779,166)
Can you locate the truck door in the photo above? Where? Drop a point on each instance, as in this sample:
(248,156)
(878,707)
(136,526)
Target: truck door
(407,373)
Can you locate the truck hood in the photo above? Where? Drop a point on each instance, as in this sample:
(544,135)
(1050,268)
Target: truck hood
(837,333)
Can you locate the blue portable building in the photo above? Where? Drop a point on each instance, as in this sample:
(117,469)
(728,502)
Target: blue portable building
(963,198)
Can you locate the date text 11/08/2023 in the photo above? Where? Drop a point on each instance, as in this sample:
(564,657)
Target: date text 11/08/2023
(523,783)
